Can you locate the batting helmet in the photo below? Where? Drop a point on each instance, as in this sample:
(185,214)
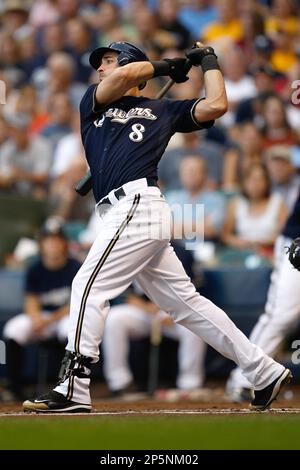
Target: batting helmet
(126,53)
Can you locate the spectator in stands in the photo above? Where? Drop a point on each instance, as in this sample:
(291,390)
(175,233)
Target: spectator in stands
(64,200)
(38,47)
(50,39)
(196,15)
(255,218)
(276,129)
(68,9)
(253,26)
(283,173)
(46,304)
(250,109)
(53,39)
(62,68)
(24,160)
(262,51)
(193,176)
(283,57)
(283,17)
(79,41)
(43,12)
(10,59)
(228,29)
(237,159)
(15,18)
(68,167)
(153,38)
(193,143)
(26,102)
(61,112)
(109,25)
(29,55)
(167,17)
(88,10)
(68,150)
(239,85)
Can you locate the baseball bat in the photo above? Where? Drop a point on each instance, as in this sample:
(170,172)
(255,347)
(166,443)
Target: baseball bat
(84,185)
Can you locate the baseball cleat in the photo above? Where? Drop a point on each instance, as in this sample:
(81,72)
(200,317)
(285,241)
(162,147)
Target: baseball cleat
(54,402)
(263,398)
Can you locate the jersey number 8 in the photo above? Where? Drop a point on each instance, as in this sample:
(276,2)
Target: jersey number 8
(137,133)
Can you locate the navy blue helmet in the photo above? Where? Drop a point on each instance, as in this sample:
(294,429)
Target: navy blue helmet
(127,53)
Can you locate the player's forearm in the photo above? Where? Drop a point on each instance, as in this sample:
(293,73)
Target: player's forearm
(122,80)
(215,92)
(215,104)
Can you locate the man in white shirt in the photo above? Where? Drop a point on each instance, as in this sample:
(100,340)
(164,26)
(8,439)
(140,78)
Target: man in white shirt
(24,160)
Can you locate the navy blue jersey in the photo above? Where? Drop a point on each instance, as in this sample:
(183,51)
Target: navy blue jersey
(126,140)
(292,226)
(53,287)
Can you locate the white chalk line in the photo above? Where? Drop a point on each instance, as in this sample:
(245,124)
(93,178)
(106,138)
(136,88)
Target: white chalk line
(208,411)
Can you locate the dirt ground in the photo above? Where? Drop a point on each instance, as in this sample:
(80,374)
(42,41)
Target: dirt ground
(208,401)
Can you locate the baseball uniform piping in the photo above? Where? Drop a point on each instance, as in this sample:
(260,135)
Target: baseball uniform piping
(99,266)
(70,387)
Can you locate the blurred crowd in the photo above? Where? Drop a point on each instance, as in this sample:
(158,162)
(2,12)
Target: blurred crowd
(245,170)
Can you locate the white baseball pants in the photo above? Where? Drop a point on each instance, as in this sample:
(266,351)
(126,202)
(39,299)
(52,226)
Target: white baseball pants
(282,310)
(133,243)
(126,322)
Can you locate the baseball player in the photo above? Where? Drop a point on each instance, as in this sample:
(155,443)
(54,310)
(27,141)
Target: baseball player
(125,135)
(282,308)
(48,283)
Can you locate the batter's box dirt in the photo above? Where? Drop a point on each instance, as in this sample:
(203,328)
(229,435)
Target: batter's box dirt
(198,405)
(151,409)
(207,412)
